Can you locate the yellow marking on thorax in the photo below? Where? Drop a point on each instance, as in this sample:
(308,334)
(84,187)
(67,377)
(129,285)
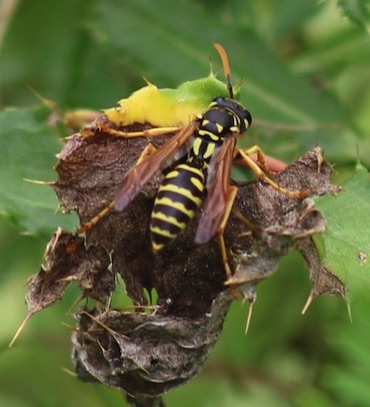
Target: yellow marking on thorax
(197,147)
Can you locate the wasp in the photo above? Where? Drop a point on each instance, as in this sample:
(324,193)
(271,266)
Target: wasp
(201,157)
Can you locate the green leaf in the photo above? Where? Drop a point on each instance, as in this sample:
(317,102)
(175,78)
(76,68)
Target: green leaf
(358,11)
(345,247)
(108,46)
(349,381)
(270,90)
(62,59)
(28,148)
(302,64)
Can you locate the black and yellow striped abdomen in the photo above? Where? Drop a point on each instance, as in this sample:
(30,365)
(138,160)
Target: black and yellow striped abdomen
(182,190)
(178,198)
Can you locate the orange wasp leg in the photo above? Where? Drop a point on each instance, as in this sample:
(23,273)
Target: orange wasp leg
(103,128)
(251,298)
(231,198)
(148,150)
(230,202)
(264,172)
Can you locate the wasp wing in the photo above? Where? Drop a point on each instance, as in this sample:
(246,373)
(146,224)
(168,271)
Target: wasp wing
(139,175)
(218,185)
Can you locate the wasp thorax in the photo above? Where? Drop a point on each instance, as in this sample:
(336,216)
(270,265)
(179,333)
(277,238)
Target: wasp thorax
(228,115)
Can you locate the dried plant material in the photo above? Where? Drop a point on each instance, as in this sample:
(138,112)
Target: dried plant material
(275,222)
(147,354)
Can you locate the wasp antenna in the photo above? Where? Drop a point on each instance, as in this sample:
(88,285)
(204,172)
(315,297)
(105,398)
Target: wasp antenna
(225,63)
(224,58)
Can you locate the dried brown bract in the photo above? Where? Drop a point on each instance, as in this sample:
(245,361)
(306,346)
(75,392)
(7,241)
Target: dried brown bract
(146,354)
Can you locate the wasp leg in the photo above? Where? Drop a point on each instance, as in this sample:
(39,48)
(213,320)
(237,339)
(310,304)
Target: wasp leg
(230,202)
(148,150)
(255,154)
(96,219)
(103,128)
(248,292)
(264,172)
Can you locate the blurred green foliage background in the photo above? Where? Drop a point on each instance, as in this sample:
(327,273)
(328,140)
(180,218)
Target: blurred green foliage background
(304,67)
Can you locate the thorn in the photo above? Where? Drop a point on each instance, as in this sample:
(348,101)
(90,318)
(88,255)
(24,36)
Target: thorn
(141,308)
(349,310)
(143,369)
(51,247)
(68,279)
(104,326)
(58,208)
(20,329)
(250,311)
(250,294)
(74,329)
(75,303)
(68,371)
(51,104)
(148,82)
(38,182)
(211,70)
(69,326)
(310,298)
(233,281)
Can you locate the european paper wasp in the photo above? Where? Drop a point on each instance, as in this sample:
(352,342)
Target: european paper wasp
(196,163)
